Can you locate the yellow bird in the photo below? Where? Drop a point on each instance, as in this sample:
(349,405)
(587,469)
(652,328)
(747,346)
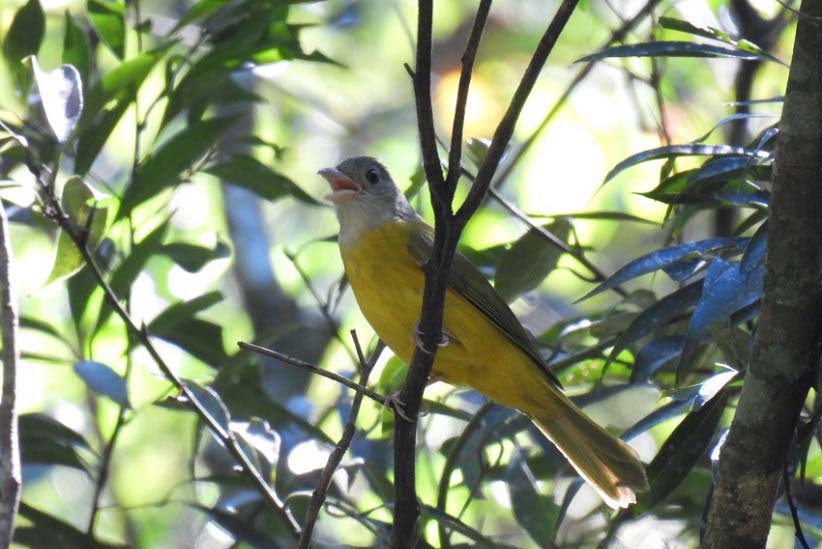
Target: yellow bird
(383,243)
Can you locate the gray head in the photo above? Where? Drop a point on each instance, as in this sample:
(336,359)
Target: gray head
(364,196)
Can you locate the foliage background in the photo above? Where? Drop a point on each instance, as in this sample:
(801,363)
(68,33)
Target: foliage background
(263,244)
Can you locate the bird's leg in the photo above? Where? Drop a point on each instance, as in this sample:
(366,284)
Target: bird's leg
(395,404)
(417,337)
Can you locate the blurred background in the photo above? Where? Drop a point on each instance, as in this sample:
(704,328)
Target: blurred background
(263,266)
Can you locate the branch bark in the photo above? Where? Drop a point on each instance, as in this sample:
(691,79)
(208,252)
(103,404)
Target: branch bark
(10,457)
(786,348)
(448,227)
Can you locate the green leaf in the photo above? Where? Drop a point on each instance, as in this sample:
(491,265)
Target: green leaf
(211,401)
(131,266)
(599,215)
(102,380)
(714,34)
(249,173)
(96,132)
(199,10)
(170,319)
(526,264)
(675,151)
(46,441)
(76,47)
(166,165)
(677,49)
(48,531)
(192,257)
(200,338)
(534,512)
(80,200)
(61,94)
(107,16)
(25,33)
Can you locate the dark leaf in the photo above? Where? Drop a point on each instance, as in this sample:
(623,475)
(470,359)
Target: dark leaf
(238,526)
(677,49)
(211,401)
(43,326)
(666,412)
(25,33)
(714,34)
(76,48)
(199,10)
(107,18)
(654,355)
(526,264)
(600,215)
(457,525)
(170,319)
(682,270)
(690,149)
(61,94)
(681,452)
(192,257)
(46,441)
(104,381)
(658,315)
(48,531)
(660,259)
(725,291)
(534,512)
(249,173)
(166,165)
(754,254)
(96,132)
(200,338)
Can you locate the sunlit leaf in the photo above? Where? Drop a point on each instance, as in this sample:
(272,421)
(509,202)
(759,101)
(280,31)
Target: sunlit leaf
(96,132)
(107,18)
(169,320)
(531,258)
(46,441)
(61,94)
(49,531)
(102,380)
(249,173)
(166,165)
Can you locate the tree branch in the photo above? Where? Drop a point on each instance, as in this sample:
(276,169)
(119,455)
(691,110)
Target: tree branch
(318,496)
(53,210)
(10,477)
(447,229)
(786,348)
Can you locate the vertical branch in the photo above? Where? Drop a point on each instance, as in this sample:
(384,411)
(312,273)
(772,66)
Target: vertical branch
(10,478)
(448,227)
(786,349)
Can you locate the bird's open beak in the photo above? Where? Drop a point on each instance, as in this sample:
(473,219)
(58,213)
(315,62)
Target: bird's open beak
(343,188)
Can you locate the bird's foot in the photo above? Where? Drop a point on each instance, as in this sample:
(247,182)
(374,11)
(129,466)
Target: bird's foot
(394,403)
(417,337)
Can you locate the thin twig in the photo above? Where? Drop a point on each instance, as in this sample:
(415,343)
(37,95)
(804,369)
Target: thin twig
(9,440)
(373,395)
(318,496)
(797,525)
(224,435)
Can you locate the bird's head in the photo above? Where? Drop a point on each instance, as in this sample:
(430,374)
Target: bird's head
(364,195)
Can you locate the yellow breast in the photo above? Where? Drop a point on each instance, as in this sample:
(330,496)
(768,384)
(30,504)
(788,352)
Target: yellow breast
(388,284)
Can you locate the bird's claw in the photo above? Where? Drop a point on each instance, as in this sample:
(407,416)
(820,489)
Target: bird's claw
(396,405)
(417,337)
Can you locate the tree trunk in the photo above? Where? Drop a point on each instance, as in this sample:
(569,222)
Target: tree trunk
(786,348)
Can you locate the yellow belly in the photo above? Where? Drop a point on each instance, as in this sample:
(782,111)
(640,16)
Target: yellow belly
(388,285)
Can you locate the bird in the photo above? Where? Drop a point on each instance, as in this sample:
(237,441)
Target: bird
(384,245)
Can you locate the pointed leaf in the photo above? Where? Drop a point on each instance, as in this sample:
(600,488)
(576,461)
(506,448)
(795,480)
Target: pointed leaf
(25,33)
(534,512)
(164,168)
(192,257)
(169,320)
(213,404)
(654,355)
(248,172)
(104,381)
(76,47)
(677,49)
(107,18)
(660,259)
(690,149)
(200,338)
(526,264)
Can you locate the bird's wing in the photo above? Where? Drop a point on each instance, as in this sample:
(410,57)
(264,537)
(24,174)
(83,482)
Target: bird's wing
(468,281)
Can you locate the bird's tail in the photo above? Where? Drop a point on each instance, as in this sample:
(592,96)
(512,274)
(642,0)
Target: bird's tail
(609,465)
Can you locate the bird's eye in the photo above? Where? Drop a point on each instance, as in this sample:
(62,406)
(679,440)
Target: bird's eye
(372,176)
